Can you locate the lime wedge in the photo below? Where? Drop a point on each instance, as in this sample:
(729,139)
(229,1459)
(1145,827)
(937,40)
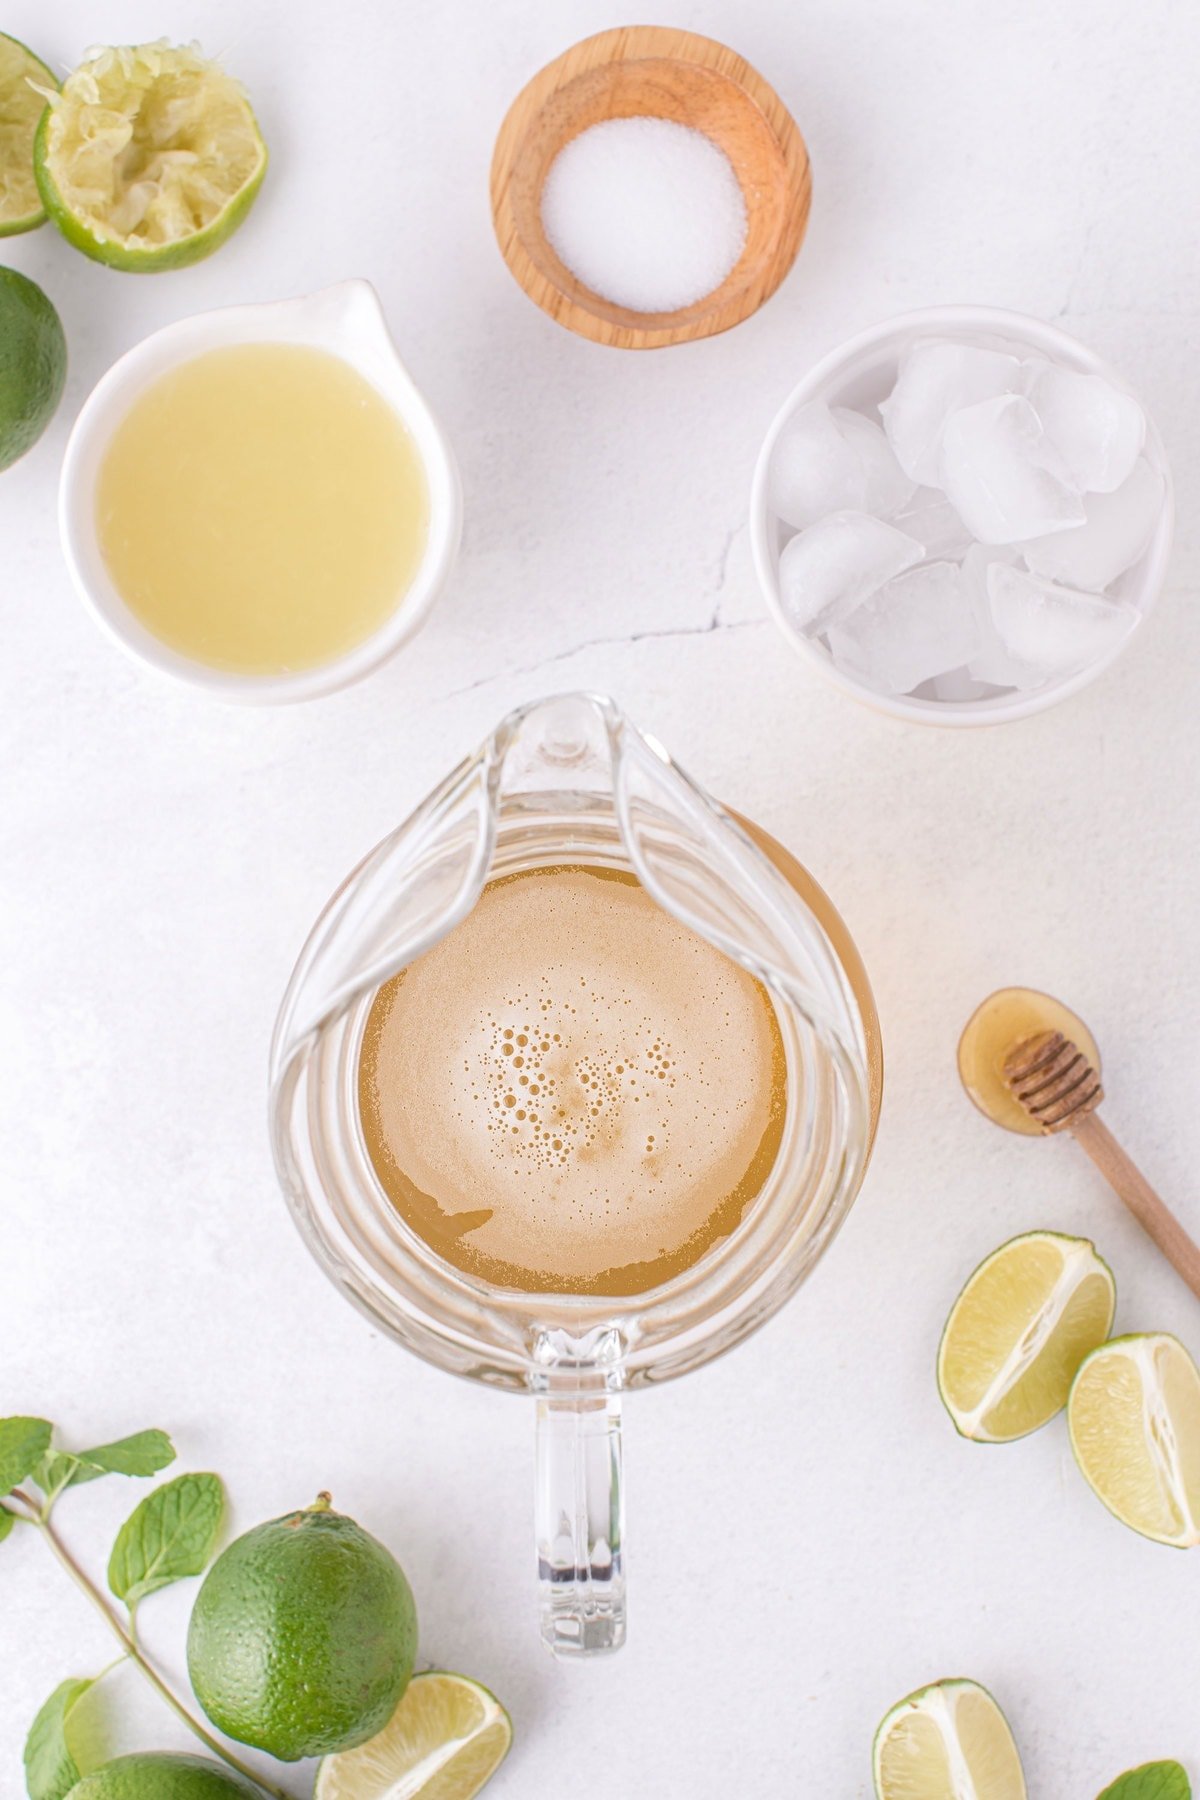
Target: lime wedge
(949,1741)
(1018,1332)
(446,1739)
(21,106)
(149,157)
(1134,1419)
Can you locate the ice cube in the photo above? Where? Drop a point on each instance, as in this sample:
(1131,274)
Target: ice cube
(1116,529)
(938,377)
(929,517)
(833,460)
(814,469)
(995,474)
(957,685)
(832,567)
(993,661)
(1097,430)
(1056,629)
(919,625)
(887,486)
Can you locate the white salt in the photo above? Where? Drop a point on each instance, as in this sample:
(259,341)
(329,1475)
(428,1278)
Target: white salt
(645,212)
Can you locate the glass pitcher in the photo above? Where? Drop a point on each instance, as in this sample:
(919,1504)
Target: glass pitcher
(570,780)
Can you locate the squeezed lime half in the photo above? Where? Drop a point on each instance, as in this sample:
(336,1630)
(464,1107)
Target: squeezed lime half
(149,157)
(24,83)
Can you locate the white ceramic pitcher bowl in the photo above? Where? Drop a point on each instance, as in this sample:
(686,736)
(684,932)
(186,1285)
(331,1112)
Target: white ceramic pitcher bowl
(347,320)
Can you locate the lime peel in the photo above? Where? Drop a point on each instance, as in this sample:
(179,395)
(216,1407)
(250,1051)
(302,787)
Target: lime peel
(149,157)
(25,85)
(33,364)
(158,1775)
(303,1636)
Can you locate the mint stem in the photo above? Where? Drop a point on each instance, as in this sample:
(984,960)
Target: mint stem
(132,1649)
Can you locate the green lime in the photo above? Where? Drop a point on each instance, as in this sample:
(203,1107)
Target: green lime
(943,1742)
(161,1777)
(1019,1330)
(149,157)
(33,364)
(21,106)
(303,1636)
(445,1741)
(1134,1420)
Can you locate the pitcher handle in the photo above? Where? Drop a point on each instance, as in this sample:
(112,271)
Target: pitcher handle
(580,1519)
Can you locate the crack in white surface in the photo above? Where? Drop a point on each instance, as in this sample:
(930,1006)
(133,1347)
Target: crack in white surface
(1075,281)
(715,625)
(726,551)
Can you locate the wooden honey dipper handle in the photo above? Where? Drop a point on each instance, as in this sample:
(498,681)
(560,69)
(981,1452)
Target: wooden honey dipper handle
(1152,1214)
(1058,1087)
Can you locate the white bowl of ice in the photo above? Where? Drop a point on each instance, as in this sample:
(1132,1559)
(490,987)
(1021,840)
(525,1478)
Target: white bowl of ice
(962,516)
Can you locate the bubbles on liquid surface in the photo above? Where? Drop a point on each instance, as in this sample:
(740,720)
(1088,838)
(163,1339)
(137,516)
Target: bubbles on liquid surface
(558,1102)
(571,1083)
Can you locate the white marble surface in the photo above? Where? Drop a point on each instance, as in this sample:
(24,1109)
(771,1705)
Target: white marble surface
(809,1538)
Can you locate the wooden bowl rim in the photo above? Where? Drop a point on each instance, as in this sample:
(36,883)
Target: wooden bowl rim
(728,304)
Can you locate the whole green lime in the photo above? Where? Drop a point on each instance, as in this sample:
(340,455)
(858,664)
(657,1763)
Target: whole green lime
(161,1777)
(33,364)
(303,1636)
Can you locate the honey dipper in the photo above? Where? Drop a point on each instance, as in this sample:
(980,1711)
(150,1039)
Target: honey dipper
(1060,1090)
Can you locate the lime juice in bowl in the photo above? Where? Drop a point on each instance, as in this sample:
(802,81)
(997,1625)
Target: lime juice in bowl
(258,501)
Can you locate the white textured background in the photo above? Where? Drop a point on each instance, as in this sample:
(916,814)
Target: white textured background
(809,1538)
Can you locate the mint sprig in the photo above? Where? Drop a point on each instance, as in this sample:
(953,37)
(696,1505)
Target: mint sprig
(170,1536)
(1151,1781)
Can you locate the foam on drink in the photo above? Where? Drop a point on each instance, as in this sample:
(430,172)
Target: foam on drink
(572,1092)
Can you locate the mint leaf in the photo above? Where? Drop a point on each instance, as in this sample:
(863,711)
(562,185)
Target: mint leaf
(55,1472)
(1152,1781)
(172,1534)
(23,1443)
(145,1453)
(50,1769)
(7,1521)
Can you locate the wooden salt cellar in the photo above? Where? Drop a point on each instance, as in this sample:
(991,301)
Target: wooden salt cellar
(657,72)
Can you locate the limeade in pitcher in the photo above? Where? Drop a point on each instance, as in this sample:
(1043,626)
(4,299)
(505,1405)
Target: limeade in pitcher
(571,1092)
